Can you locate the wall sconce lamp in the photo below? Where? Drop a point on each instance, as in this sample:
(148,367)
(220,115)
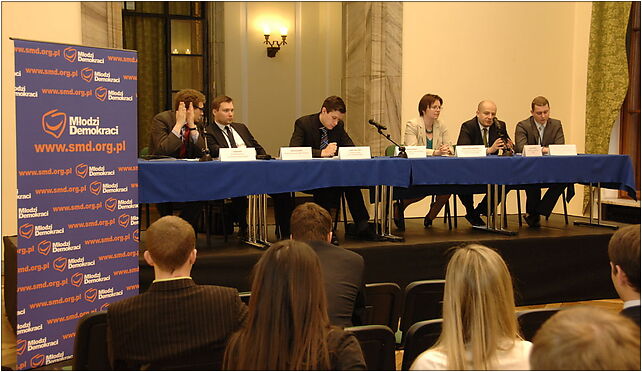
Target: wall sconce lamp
(274,46)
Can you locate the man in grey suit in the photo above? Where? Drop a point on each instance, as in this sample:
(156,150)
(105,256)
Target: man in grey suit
(342,269)
(539,129)
(175,324)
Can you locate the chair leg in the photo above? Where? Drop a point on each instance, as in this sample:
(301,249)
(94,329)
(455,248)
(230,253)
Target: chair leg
(208,222)
(345,215)
(447,214)
(519,207)
(455,208)
(565,207)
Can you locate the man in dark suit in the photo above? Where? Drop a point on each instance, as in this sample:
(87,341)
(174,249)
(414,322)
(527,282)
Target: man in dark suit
(225,133)
(342,269)
(624,254)
(539,129)
(175,324)
(325,132)
(483,129)
(175,133)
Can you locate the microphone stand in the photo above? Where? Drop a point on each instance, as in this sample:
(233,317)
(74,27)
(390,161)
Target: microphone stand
(402,149)
(206,151)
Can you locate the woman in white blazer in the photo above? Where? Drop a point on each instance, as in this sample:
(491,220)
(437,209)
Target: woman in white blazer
(426,130)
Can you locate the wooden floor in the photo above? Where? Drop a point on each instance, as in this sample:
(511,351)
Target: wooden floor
(439,231)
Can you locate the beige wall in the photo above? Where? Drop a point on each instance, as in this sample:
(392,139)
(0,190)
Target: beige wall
(42,21)
(507,52)
(271,93)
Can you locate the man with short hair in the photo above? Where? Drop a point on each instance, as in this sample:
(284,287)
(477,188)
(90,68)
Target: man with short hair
(539,129)
(175,324)
(624,257)
(175,133)
(483,129)
(586,338)
(342,269)
(225,133)
(325,133)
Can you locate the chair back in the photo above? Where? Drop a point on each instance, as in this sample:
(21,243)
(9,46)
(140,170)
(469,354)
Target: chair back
(383,304)
(530,320)
(421,336)
(378,346)
(423,300)
(245,297)
(90,345)
(390,150)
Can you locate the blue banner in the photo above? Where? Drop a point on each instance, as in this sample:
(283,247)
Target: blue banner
(76,135)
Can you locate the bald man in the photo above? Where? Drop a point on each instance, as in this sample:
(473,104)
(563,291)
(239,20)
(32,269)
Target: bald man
(483,129)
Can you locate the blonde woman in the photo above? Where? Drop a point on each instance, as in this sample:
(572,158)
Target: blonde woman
(480,328)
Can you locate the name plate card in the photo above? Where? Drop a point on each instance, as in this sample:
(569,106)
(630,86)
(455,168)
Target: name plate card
(354,152)
(237,154)
(470,151)
(562,150)
(532,150)
(296,153)
(413,152)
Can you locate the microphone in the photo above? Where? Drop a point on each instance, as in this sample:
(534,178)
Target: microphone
(206,151)
(377,125)
(503,134)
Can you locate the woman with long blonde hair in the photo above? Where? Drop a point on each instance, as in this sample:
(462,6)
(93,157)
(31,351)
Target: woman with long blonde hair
(480,329)
(288,326)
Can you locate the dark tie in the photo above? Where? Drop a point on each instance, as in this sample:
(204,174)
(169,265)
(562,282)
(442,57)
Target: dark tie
(324,138)
(184,138)
(486,137)
(230,136)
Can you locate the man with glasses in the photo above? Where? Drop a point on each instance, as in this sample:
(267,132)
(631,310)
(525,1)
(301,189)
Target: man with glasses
(175,133)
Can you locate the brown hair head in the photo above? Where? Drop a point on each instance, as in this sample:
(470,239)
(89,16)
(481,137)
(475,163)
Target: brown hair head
(288,322)
(624,251)
(188,96)
(309,222)
(216,102)
(539,101)
(586,338)
(334,103)
(170,240)
(426,101)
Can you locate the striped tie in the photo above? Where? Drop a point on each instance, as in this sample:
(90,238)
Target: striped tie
(324,138)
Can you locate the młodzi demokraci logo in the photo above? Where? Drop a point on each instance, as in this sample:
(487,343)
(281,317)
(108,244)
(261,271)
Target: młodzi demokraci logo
(102,93)
(73,55)
(54,123)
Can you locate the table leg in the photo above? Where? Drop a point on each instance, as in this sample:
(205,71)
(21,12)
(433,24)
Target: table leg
(599,210)
(256,210)
(387,223)
(491,225)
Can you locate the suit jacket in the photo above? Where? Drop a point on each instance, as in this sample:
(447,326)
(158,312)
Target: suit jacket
(216,138)
(526,133)
(306,133)
(163,142)
(470,134)
(343,278)
(415,133)
(633,313)
(173,323)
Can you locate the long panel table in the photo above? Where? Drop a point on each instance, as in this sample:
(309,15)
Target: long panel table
(180,180)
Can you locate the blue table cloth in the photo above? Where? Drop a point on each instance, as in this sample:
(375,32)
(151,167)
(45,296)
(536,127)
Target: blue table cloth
(180,180)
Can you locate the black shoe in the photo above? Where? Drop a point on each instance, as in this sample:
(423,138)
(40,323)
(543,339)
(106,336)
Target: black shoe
(400,221)
(367,235)
(427,222)
(475,220)
(532,220)
(335,239)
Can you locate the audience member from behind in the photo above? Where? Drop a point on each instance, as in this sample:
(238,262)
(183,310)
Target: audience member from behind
(480,329)
(342,269)
(624,254)
(586,338)
(175,324)
(288,326)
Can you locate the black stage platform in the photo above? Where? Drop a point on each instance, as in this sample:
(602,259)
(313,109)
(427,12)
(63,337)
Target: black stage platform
(555,263)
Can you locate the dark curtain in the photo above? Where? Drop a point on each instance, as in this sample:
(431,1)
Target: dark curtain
(147,36)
